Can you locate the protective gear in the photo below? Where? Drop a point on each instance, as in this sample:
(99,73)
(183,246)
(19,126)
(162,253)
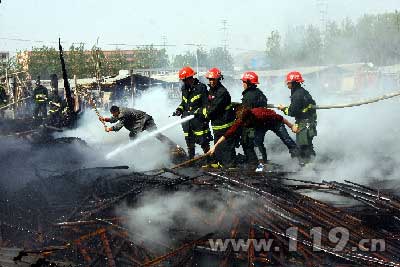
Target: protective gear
(252,97)
(260,167)
(301,108)
(186,72)
(294,76)
(177,113)
(40,95)
(220,111)
(250,77)
(213,73)
(196,131)
(54,112)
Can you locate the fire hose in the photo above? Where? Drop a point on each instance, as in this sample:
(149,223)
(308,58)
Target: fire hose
(349,105)
(92,103)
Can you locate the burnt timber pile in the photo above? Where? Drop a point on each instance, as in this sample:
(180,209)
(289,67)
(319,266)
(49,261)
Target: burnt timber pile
(73,220)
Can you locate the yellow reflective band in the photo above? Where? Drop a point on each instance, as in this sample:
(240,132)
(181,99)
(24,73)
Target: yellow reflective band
(310,106)
(195,98)
(200,132)
(185,134)
(55,104)
(229,106)
(205,112)
(184,99)
(224,126)
(286,111)
(180,107)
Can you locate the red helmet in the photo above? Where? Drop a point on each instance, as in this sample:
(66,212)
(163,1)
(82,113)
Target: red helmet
(294,76)
(250,76)
(186,72)
(213,73)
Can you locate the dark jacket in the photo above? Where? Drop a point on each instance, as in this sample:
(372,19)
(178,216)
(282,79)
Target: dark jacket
(40,94)
(219,108)
(194,99)
(301,103)
(55,103)
(252,97)
(3,96)
(131,119)
(264,118)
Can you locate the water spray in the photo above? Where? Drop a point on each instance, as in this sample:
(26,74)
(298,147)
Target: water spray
(147,136)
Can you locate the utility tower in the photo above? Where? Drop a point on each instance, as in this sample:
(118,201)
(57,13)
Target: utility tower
(224,29)
(322,6)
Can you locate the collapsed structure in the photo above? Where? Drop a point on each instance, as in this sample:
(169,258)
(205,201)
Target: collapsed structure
(73,220)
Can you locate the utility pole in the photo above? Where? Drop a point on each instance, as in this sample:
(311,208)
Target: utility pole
(224,41)
(323,13)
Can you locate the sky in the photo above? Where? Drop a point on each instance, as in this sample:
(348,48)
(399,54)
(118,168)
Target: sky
(186,22)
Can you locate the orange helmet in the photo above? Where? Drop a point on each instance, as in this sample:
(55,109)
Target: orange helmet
(186,72)
(250,76)
(213,73)
(294,76)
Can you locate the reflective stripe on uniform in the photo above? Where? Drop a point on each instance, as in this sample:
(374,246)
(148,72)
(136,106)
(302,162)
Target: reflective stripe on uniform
(184,99)
(185,134)
(200,132)
(286,111)
(310,106)
(221,127)
(205,112)
(195,98)
(229,106)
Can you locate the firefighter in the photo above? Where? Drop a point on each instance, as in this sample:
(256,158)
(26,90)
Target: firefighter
(194,99)
(135,121)
(40,95)
(261,120)
(220,111)
(3,100)
(302,109)
(3,96)
(55,103)
(252,97)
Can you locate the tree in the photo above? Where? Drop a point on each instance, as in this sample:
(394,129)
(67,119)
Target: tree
(220,57)
(44,61)
(187,59)
(274,51)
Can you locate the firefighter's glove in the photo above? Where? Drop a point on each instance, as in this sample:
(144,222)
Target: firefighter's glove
(177,112)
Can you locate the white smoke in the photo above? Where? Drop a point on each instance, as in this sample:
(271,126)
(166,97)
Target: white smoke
(156,213)
(149,154)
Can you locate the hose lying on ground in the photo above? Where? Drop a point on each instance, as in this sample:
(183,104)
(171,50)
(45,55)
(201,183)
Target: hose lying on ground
(349,105)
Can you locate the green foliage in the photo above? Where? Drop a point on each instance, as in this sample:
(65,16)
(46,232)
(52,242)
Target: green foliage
(216,57)
(372,38)
(274,50)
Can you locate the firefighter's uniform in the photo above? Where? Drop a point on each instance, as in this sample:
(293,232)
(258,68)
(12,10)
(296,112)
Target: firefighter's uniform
(196,131)
(136,121)
(252,97)
(222,115)
(55,109)
(40,95)
(301,108)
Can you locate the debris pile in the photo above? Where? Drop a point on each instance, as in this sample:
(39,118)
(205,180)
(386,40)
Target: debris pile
(73,220)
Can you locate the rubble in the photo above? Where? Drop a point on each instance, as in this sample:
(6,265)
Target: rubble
(72,218)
